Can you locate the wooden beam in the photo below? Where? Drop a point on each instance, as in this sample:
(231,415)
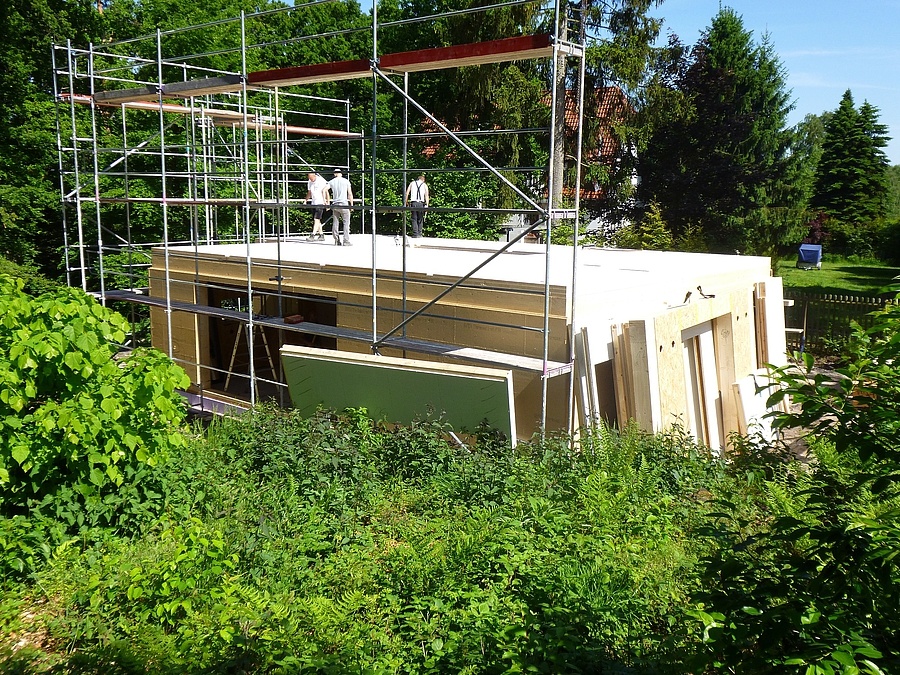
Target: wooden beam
(620,368)
(203,86)
(472,54)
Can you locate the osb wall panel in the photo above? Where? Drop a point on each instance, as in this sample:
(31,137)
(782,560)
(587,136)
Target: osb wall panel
(734,335)
(190,333)
(770,302)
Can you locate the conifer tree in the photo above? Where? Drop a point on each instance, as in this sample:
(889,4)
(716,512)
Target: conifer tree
(722,161)
(851,179)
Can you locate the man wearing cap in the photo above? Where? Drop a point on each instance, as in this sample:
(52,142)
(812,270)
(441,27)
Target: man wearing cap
(317,195)
(341,198)
(417,197)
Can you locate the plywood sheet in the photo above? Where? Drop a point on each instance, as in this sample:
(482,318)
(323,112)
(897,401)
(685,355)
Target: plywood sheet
(399,390)
(771,336)
(751,393)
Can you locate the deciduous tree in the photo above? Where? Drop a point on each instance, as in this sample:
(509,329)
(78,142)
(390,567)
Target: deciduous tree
(29,191)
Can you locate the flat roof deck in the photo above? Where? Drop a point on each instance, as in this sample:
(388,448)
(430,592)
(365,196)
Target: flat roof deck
(641,281)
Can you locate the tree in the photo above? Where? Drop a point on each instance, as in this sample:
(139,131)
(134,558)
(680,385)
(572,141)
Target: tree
(73,417)
(851,179)
(893,206)
(29,190)
(721,161)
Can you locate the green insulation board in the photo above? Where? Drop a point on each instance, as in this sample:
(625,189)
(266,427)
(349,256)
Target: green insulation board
(400,390)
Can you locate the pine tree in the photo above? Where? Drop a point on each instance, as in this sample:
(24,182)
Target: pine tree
(722,163)
(851,178)
(876,180)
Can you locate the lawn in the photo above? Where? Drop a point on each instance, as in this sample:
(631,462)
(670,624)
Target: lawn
(839,275)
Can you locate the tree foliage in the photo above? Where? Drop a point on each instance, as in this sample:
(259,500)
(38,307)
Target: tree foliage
(720,160)
(815,589)
(29,188)
(73,417)
(851,183)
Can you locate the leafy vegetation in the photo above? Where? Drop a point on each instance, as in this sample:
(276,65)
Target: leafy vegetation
(336,543)
(817,587)
(81,429)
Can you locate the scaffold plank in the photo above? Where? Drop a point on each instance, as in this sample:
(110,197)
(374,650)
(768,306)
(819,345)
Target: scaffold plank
(203,86)
(219,117)
(133,94)
(496,359)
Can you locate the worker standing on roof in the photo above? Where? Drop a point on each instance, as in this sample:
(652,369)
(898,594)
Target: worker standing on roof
(341,198)
(417,197)
(317,195)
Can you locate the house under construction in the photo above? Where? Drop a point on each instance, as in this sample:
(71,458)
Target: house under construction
(213,163)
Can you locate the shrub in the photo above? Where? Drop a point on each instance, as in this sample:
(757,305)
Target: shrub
(815,587)
(82,428)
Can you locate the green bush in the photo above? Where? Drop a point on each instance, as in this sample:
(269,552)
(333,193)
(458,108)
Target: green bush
(336,543)
(814,587)
(82,428)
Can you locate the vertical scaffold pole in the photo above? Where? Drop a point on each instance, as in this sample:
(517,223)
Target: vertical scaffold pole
(374,153)
(553,189)
(165,206)
(95,149)
(79,212)
(246,204)
(403,183)
(575,233)
(59,162)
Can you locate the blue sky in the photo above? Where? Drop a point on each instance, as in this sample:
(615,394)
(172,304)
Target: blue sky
(826,47)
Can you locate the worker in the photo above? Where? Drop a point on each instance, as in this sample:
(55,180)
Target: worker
(417,197)
(317,194)
(341,199)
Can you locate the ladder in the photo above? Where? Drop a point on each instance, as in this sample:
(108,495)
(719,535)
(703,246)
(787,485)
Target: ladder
(245,330)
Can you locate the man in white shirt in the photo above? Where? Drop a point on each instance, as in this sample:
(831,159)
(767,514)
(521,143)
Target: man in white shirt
(341,198)
(317,195)
(417,197)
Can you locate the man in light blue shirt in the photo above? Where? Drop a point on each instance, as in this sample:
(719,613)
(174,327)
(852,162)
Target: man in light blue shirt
(341,198)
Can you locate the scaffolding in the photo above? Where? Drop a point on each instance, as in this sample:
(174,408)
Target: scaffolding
(168,154)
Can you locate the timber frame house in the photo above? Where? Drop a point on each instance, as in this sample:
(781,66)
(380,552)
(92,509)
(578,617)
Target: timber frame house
(211,160)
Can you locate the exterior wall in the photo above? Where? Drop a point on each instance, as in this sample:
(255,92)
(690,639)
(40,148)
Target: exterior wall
(190,333)
(497,302)
(647,381)
(734,333)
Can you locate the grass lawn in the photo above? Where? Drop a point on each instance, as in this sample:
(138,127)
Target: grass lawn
(839,276)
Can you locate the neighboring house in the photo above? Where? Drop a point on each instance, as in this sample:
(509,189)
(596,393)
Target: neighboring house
(605,108)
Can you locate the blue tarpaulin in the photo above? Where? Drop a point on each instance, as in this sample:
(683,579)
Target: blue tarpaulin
(810,255)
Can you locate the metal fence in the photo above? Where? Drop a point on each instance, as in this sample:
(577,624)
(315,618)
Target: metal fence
(824,318)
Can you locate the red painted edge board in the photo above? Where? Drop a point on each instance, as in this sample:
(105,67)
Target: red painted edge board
(318,72)
(493,51)
(475,53)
